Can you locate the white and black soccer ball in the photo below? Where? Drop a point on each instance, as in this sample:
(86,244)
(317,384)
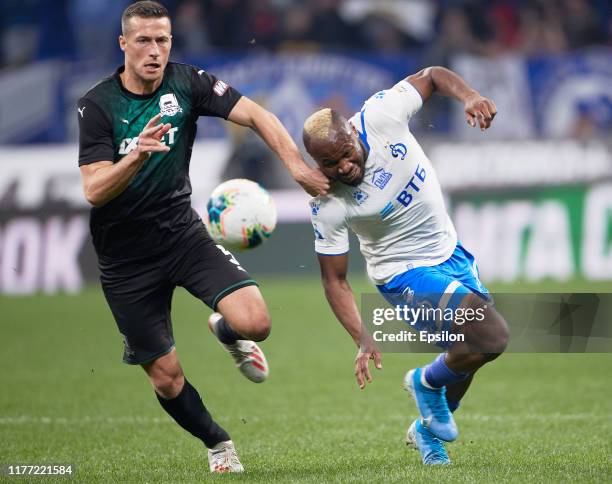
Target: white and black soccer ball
(240,214)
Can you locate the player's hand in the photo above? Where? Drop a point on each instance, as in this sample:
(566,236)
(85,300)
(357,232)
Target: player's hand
(479,110)
(312,180)
(362,365)
(150,138)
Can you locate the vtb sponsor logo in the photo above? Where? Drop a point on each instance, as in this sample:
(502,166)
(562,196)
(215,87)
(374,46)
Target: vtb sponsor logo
(406,195)
(413,186)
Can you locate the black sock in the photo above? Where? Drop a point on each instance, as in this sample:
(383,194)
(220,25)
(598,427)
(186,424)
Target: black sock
(225,333)
(190,413)
(453,405)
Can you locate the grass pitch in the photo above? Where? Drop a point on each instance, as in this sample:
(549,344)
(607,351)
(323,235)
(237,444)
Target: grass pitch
(67,398)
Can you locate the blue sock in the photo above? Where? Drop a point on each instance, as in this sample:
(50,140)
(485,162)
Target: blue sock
(437,374)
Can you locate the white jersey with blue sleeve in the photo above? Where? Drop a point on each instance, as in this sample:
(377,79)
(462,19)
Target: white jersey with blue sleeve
(397,212)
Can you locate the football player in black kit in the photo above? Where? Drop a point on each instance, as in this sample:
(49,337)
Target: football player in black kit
(137,129)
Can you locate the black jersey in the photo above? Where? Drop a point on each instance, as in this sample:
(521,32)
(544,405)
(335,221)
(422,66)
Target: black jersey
(156,204)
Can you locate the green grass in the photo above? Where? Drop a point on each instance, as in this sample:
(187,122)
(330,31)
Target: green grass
(66,397)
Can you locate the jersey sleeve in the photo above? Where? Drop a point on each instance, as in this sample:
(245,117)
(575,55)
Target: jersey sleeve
(400,102)
(330,228)
(212,96)
(95,133)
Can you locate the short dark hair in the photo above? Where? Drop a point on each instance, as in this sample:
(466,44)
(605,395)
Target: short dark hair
(144,9)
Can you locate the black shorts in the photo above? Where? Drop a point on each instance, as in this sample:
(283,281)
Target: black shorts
(139,293)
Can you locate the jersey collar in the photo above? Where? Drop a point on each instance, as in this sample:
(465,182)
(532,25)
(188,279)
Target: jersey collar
(131,94)
(363,135)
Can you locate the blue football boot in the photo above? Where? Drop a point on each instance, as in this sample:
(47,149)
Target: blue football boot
(432,406)
(432,449)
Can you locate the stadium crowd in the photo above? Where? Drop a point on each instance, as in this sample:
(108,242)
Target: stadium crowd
(35,29)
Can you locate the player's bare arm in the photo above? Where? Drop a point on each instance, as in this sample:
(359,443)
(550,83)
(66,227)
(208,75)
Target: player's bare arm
(478,109)
(342,301)
(105,180)
(248,113)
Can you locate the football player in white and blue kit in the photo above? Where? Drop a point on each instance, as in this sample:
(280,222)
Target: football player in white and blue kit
(385,190)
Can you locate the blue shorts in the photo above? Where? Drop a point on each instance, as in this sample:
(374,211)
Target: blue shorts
(442,286)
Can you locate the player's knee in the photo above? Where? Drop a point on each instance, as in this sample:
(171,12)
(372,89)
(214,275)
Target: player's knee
(497,342)
(168,383)
(256,320)
(488,338)
(260,325)
(169,387)
(500,336)
(252,323)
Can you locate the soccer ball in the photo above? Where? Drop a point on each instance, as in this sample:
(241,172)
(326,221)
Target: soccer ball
(240,214)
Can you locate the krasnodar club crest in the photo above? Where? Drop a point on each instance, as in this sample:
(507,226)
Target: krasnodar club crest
(168,105)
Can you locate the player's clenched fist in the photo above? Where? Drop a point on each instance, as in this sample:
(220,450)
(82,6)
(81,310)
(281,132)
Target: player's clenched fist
(479,110)
(313,181)
(150,138)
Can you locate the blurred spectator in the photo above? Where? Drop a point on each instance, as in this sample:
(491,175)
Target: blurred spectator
(226,23)
(264,24)
(330,29)
(96,26)
(454,36)
(504,19)
(35,29)
(297,27)
(379,33)
(18,32)
(190,37)
(581,24)
(541,29)
(414,19)
(479,20)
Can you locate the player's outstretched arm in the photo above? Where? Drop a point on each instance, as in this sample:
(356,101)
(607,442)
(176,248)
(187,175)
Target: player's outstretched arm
(105,180)
(478,109)
(248,113)
(342,301)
